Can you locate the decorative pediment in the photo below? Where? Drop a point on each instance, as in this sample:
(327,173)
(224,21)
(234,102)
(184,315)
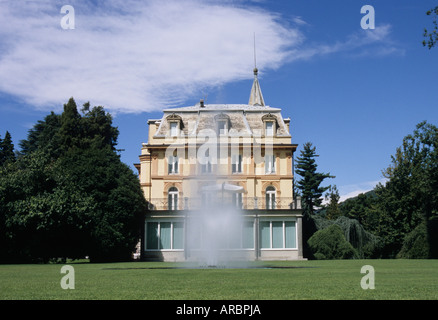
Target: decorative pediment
(269,117)
(222,117)
(173,117)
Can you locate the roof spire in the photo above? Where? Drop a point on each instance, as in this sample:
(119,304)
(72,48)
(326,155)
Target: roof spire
(256,97)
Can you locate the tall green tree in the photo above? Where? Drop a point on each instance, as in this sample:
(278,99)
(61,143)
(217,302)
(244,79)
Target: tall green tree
(310,184)
(69,194)
(332,208)
(309,187)
(410,196)
(44,215)
(6,149)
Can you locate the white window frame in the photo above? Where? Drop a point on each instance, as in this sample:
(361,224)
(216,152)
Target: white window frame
(270,132)
(174,128)
(172,227)
(172,199)
(270,165)
(270,197)
(173,165)
(283,234)
(236,163)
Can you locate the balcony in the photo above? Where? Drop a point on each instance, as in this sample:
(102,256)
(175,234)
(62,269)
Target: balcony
(245,203)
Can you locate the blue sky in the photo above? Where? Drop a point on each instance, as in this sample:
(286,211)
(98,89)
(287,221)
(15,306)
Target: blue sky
(353,93)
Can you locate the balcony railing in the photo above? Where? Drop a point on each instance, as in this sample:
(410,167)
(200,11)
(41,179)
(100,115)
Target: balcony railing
(262,203)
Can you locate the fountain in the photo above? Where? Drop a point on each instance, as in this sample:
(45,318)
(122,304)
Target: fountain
(214,231)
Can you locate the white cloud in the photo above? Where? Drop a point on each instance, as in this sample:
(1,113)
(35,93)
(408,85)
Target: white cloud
(364,43)
(133,56)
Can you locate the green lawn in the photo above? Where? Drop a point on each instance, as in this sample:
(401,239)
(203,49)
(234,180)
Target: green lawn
(394,279)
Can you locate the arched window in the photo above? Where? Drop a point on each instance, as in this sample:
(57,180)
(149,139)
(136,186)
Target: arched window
(172,198)
(270,197)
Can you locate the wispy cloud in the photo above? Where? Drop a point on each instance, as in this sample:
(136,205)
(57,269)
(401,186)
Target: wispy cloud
(353,190)
(133,56)
(363,43)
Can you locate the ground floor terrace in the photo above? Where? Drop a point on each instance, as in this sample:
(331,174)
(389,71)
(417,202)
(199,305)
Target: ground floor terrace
(216,235)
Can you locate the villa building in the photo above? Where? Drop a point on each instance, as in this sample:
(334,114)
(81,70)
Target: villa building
(211,161)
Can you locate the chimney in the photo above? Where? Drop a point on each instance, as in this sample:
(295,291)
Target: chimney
(201,103)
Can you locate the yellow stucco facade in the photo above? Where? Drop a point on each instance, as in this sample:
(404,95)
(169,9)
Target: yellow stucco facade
(222,154)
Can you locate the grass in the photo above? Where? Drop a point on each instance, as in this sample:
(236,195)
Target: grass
(336,279)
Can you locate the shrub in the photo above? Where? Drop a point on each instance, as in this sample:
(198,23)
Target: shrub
(330,243)
(415,244)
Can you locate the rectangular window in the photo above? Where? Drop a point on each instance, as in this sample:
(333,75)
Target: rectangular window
(270,200)
(206,162)
(236,163)
(269,128)
(248,235)
(237,200)
(174,129)
(206,166)
(265,234)
(222,127)
(173,164)
(152,235)
(178,235)
(269,163)
(164,235)
(277,235)
(290,234)
(172,200)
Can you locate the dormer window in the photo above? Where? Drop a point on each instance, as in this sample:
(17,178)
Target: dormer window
(269,128)
(269,125)
(174,128)
(222,127)
(222,124)
(175,124)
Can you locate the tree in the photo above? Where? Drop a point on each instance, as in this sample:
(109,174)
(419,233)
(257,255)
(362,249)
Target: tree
(45,214)
(41,135)
(431,36)
(362,208)
(6,149)
(310,190)
(310,184)
(332,208)
(410,196)
(69,195)
(114,227)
